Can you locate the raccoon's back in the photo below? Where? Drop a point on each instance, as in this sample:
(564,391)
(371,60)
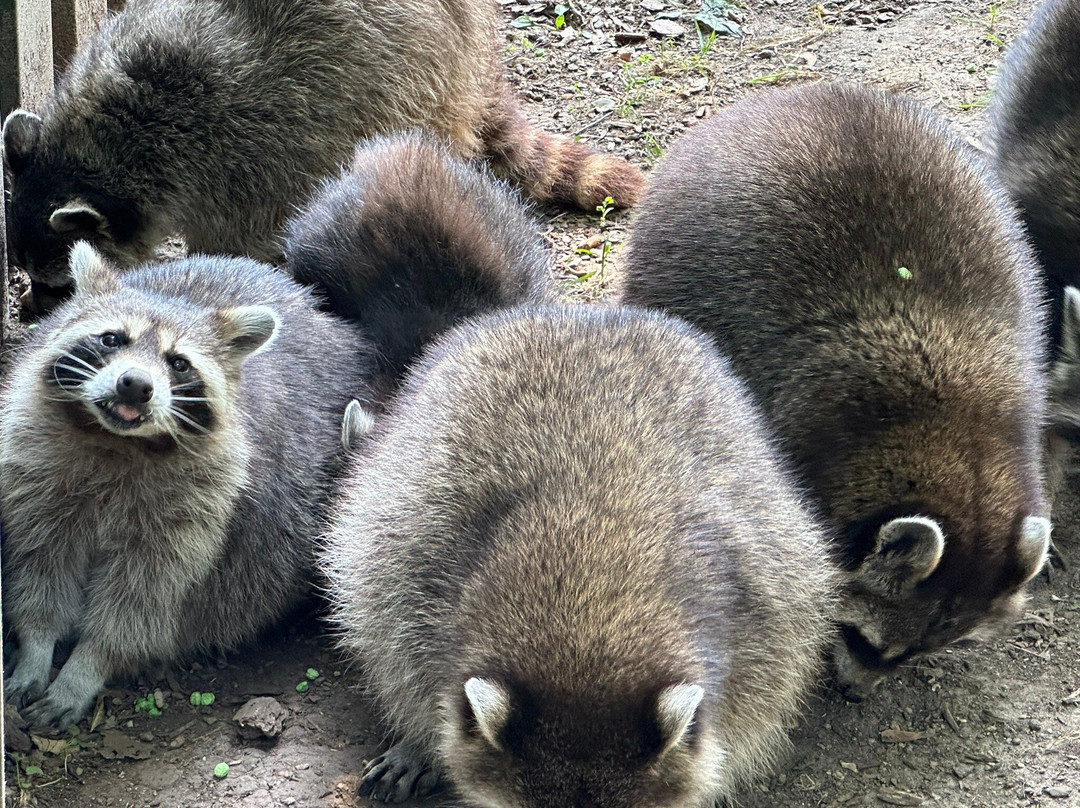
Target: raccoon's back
(835,215)
(577,496)
(1034,133)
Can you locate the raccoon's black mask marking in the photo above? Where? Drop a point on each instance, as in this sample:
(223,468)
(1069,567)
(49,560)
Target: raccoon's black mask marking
(81,360)
(186,383)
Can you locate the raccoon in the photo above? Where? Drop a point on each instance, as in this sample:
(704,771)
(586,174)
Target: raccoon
(1034,140)
(215,118)
(873,286)
(409,239)
(1064,428)
(574,571)
(168,441)
(144,443)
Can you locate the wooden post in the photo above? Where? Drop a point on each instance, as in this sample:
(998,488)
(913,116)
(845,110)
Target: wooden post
(33,29)
(73,21)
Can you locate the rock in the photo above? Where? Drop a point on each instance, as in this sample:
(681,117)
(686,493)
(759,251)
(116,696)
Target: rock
(261,717)
(16,738)
(630,37)
(1058,792)
(667,28)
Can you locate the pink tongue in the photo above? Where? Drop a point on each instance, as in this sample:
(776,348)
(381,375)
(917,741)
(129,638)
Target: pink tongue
(127,412)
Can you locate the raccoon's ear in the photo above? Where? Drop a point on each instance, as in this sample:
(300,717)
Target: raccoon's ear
(906,551)
(20,135)
(248,329)
(489,704)
(1033,546)
(676,707)
(78,219)
(356,425)
(89,271)
(1070,326)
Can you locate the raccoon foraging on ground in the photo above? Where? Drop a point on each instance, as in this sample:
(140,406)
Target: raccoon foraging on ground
(1034,139)
(167,445)
(573,570)
(215,118)
(873,287)
(410,239)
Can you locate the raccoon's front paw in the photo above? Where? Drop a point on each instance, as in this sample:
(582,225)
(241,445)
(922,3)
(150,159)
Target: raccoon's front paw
(63,704)
(398,774)
(22,688)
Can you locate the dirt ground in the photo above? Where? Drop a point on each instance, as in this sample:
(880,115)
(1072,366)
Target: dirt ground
(993,726)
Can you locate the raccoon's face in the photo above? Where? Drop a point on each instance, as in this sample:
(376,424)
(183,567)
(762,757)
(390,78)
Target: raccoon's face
(53,205)
(897,605)
(508,749)
(142,369)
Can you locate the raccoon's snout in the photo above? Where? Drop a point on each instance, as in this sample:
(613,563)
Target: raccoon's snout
(134,387)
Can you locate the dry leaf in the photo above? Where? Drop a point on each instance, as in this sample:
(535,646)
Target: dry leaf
(893,735)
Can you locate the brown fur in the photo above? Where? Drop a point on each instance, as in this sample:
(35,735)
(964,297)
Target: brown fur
(781,226)
(579,506)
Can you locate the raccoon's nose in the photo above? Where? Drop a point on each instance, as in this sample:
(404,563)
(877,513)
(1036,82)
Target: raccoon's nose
(134,386)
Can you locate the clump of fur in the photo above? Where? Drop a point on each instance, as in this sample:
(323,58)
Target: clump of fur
(573,570)
(1034,140)
(874,288)
(168,442)
(409,239)
(214,118)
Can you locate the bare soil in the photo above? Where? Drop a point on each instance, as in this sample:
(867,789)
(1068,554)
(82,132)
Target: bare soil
(994,726)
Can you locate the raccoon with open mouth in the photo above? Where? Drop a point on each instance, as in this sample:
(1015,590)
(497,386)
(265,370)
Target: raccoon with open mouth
(167,442)
(870,281)
(170,436)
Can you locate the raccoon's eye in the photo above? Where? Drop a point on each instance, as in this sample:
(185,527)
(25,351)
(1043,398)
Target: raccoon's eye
(179,364)
(110,340)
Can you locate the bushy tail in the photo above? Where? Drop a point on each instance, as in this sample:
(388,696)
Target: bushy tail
(409,240)
(548,167)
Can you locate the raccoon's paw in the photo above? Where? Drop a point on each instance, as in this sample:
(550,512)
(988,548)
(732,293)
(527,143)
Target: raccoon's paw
(22,688)
(66,700)
(55,710)
(398,774)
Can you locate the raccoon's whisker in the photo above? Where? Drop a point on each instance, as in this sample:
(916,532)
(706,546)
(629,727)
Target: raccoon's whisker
(198,427)
(83,362)
(184,386)
(72,369)
(189,398)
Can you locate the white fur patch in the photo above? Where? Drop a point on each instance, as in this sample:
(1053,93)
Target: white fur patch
(676,707)
(490,704)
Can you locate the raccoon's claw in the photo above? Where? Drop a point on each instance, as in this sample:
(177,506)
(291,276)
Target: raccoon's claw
(20,694)
(49,711)
(398,774)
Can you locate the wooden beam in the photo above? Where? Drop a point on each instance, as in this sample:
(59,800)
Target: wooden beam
(26,68)
(73,22)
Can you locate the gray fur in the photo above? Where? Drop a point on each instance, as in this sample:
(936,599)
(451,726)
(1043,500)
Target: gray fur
(146,542)
(1034,139)
(409,239)
(214,119)
(572,519)
(872,285)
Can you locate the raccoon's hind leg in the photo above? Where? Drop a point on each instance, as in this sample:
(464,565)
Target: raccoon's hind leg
(401,772)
